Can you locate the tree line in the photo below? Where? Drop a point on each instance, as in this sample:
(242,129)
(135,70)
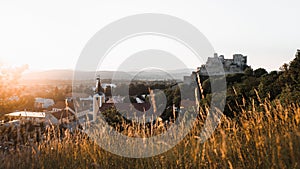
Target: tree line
(253,86)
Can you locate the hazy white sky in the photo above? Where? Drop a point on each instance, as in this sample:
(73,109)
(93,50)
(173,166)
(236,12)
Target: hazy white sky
(51,35)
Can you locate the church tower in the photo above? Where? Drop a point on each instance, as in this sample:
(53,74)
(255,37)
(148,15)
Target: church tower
(98,98)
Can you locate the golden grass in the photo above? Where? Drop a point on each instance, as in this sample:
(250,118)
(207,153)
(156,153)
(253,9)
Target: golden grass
(266,136)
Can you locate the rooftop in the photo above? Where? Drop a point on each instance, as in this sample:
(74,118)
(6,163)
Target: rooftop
(28,114)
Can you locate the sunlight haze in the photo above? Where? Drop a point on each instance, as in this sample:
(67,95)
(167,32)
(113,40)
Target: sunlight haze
(51,35)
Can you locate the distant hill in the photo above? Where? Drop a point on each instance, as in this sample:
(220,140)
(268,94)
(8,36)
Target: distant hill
(82,75)
(49,75)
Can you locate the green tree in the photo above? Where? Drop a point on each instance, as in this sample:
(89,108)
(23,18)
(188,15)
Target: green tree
(248,71)
(291,80)
(269,85)
(260,72)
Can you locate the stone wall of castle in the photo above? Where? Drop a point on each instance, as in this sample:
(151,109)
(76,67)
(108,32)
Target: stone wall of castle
(213,64)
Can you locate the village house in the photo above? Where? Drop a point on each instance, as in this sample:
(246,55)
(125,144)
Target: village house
(43,103)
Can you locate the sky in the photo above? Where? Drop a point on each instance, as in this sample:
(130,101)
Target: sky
(51,34)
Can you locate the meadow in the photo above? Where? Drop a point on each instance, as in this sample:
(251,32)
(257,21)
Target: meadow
(266,135)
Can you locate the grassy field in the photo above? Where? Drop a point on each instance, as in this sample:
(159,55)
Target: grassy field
(264,136)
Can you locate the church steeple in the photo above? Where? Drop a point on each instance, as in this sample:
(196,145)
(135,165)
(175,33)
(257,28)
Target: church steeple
(99,90)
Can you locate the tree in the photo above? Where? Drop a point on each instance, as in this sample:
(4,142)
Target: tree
(291,80)
(259,72)
(269,85)
(249,71)
(58,95)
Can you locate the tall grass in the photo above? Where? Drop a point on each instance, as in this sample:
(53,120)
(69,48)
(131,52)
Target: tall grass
(263,136)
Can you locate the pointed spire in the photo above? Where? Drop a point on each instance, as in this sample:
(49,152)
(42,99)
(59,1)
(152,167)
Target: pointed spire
(99,88)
